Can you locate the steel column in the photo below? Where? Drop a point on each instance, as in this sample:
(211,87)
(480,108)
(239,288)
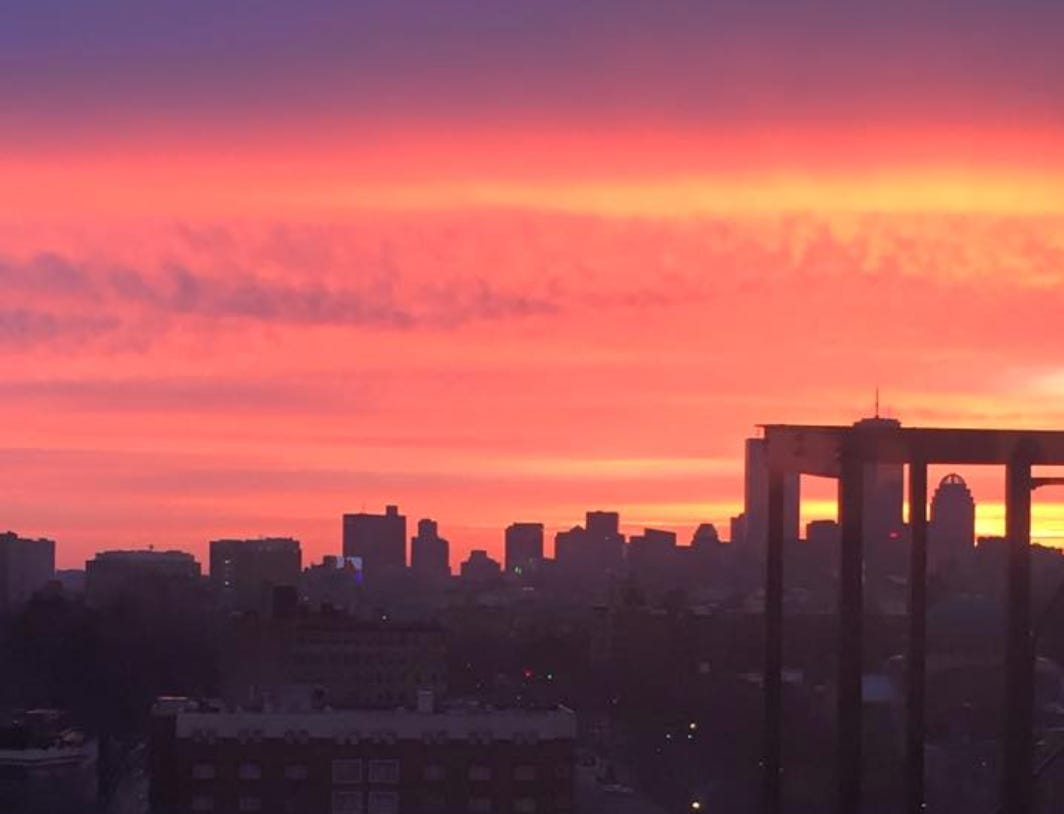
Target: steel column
(851,632)
(1018,763)
(917,653)
(773,677)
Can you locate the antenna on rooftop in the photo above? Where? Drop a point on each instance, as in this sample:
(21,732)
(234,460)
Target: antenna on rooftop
(877,401)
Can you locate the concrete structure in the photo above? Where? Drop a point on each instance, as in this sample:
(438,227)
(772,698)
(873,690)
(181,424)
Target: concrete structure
(379,539)
(46,765)
(373,762)
(524,548)
(157,578)
(245,572)
(754,530)
(26,566)
(430,554)
(846,453)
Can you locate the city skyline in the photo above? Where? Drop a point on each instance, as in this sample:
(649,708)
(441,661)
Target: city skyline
(508,261)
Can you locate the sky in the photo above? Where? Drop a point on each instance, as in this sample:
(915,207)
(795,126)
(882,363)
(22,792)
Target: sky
(264,263)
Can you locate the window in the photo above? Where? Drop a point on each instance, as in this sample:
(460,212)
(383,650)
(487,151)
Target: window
(347,802)
(480,805)
(249,804)
(524,805)
(347,771)
(250,771)
(384,771)
(525,773)
(434,772)
(479,773)
(383,802)
(296,771)
(204,771)
(202,803)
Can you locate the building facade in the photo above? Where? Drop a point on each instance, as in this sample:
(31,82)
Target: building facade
(524,548)
(244,572)
(378,539)
(26,566)
(415,762)
(430,554)
(151,578)
(46,765)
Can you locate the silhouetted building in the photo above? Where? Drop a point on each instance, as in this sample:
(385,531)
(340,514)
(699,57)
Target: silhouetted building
(245,572)
(590,554)
(376,762)
(652,558)
(148,578)
(951,533)
(334,659)
(336,582)
(524,548)
(26,566)
(379,539)
(755,500)
(705,536)
(47,766)
(480,568)
(429,553)
(823,532)
(884,494)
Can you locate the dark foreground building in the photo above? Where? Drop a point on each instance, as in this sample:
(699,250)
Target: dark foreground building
(364,762)
(46,765)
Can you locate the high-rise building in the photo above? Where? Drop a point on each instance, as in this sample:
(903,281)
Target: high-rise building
(26,566)
(884,494)
(755,499)
(244,572)
(604,536)
(162,579)
(379,539)
(951,530)
(524,547)
(430,553)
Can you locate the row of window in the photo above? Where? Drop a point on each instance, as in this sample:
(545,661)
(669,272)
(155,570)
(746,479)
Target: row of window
(349,771)
(376,802)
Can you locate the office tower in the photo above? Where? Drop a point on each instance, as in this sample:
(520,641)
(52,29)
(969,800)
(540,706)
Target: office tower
(244,572)
(163,579)
(524,547)
(26,566)
(429,553)
(951,530)
(884,493)
(379,539)
(605,538)
(755,499)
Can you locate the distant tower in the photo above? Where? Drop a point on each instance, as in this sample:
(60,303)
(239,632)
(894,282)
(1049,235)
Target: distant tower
(884,491)
(379,539)
(429,553)
(951,531)
(524,547)
(755,499)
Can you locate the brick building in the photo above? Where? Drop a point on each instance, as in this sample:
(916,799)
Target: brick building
(361,762)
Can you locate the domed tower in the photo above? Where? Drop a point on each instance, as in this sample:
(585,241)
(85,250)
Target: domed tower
(951,532)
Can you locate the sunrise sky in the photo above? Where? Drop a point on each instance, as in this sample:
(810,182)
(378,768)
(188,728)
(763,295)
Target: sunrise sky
(263,263)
